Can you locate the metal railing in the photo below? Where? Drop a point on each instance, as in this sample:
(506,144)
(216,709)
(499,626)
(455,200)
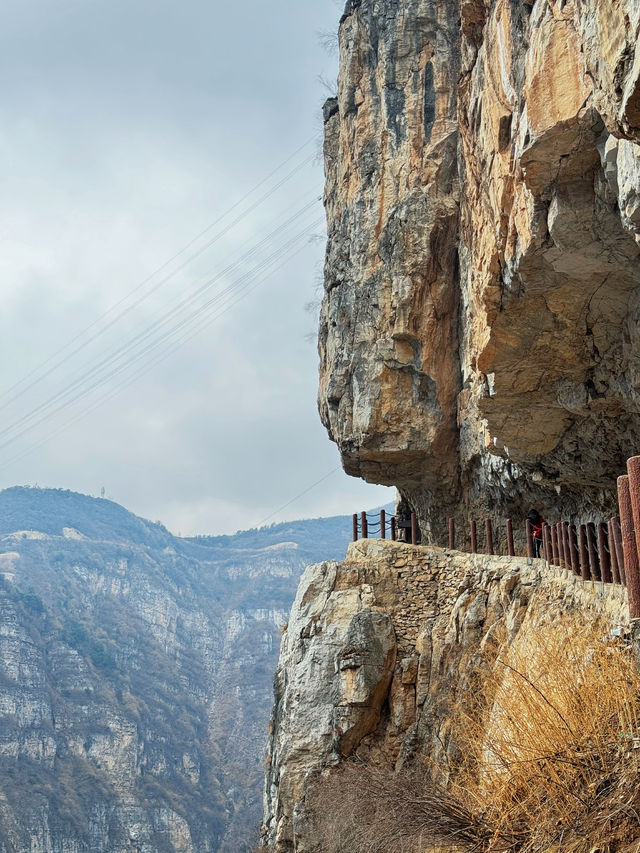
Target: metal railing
(604,551)
(593,551)
(400,527)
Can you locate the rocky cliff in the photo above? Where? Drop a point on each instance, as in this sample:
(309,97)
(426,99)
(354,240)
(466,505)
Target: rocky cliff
(136,675)
(378,651)
(479,349)
(479,332)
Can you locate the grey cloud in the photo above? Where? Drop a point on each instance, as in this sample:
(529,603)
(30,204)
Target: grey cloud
(125,128)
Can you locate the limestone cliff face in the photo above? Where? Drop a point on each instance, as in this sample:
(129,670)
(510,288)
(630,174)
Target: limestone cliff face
(379,647)
(479,332)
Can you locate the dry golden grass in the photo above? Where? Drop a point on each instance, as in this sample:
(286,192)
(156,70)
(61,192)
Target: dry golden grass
(363,809)
(548,762)
(549,743)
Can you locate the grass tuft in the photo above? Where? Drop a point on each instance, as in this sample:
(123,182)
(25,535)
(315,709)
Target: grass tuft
(548,761)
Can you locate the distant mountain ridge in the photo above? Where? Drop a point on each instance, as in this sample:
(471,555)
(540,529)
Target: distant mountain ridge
(135,674)
(51,510)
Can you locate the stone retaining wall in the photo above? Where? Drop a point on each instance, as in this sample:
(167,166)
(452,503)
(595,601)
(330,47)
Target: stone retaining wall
(379,647)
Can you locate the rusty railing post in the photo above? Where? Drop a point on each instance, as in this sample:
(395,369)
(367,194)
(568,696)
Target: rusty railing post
(605,562)
(383,524)
(556,530)
(474,538)
(511,551)
(489,535)
(613,554)
(584,553)
(566,538)
(617,538)
(414,529)
(546,542)
(566,550)
(393,528)
(631,572)
(355,526)
(363,525)
(529,529)
(560,541)
(452,534)
(594,563)
(633,471)
(562,535)
(573,549)
(554,546)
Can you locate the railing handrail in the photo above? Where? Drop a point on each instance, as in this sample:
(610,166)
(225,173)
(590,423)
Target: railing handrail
(602,551)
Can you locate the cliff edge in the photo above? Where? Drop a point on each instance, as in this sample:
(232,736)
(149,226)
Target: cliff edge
(479,330)
(380,649)
(479,350)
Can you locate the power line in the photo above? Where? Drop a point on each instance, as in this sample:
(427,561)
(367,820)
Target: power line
(168,318)
(163,281)
(146,369)
(197,328)
(302,494)
(63,399)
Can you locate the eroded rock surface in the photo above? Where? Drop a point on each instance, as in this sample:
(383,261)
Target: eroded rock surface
(479,331)
(379,647)
(136,675)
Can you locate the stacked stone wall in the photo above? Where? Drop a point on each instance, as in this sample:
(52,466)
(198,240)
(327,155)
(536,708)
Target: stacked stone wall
(379,648)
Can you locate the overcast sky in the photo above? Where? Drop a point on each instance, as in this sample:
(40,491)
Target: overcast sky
(127,129)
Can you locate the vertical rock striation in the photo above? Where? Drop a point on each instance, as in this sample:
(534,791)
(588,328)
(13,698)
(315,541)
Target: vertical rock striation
(388,331)
(135,675)
(479,331)
(479,349)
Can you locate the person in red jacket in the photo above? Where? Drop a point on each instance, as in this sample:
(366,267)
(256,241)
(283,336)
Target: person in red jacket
(536,521)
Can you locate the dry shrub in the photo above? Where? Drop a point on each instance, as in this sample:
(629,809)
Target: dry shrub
(548,761)
(549,747)
(365,809)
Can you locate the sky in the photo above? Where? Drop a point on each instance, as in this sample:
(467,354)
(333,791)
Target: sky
(162,237)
